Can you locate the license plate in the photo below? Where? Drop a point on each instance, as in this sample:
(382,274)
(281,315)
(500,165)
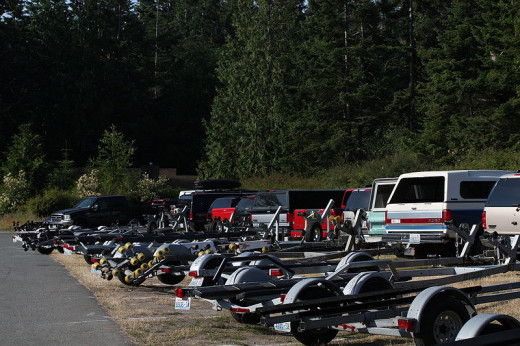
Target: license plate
(182,303)
(283,327)
(67,252)
(415,238)
(197,281)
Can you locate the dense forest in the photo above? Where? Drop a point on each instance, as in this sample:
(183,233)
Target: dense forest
(236,88)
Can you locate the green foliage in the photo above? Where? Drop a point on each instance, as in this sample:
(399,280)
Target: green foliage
(112,163)
(26,154)
(148,189)
(14,191)
(64,174)
(50,200)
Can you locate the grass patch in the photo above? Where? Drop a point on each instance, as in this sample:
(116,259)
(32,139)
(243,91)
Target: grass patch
(6,221)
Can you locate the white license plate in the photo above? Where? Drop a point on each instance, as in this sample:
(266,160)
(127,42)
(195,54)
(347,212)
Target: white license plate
(182,303)
(197,281)
(67,252)
(415,238)
(283,327)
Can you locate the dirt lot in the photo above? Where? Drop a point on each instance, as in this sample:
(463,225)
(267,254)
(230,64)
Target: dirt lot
(146,313)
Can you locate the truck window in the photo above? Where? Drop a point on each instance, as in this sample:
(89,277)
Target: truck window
(476,189)
(505,194)
(271,199)
(86,203)
(383,192)
(358,200)
(419,190)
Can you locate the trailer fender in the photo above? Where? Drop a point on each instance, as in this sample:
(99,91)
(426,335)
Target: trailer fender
(357,257)
(301,286)
(243,255)
(367,282)
(483,324)
(246,274)
(419,305)
(202,261)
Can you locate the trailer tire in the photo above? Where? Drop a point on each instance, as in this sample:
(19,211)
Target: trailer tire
(88,259)
(45,250)
(313,232)
(151,226)
(442,320)
(170,279)
(314,336)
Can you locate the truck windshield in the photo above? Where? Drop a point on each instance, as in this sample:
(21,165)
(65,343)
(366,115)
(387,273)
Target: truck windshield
(86,203)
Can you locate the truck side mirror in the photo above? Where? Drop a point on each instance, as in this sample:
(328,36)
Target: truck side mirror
(95,207)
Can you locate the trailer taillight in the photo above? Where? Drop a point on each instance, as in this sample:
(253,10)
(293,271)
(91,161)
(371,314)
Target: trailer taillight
(166,270)
(179,292)
(236,309)
(275,272)
(191,215)
(406,324)
(94,260)
(193,273)
(282,297)
(484,220)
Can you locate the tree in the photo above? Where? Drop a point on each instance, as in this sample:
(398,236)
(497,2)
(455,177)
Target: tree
(26,155)
(113,161)
(248,128)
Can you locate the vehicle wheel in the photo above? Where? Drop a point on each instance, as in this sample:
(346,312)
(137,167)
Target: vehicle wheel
(314,336)
(441,322)
(216,226)
(170,279)
(151,226)
(45,250)
(313,233)
(88,259)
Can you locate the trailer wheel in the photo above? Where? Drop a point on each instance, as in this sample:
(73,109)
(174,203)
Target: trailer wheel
(151,226)
(443,318)
(88,259)
(313,232)
(45,250)
(314,336)
(170,279)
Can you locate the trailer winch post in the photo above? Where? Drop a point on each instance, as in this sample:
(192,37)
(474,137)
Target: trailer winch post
(275,221)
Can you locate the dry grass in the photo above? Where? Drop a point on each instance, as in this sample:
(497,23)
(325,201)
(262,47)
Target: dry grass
(147,314)
(6,221)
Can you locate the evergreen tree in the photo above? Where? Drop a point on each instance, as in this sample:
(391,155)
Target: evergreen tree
(248,129)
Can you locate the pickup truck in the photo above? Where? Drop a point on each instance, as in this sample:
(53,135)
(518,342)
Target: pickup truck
(101,210)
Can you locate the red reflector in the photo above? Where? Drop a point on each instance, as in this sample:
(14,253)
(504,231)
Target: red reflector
(166,270)
(484,220)
(406,324)
(275,272)
(240,310)
(193,273)
(179,292)
(282,297)
(94,260)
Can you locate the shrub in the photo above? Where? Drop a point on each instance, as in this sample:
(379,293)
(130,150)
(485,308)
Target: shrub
(49,201)
(15,191)
(148,189)
(88,184)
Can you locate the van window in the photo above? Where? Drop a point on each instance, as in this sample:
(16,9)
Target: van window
(417,190)
(476,189)
(382,194)
(505,194)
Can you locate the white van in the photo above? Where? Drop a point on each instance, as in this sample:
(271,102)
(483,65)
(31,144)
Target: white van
(502,211)
(423,203)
